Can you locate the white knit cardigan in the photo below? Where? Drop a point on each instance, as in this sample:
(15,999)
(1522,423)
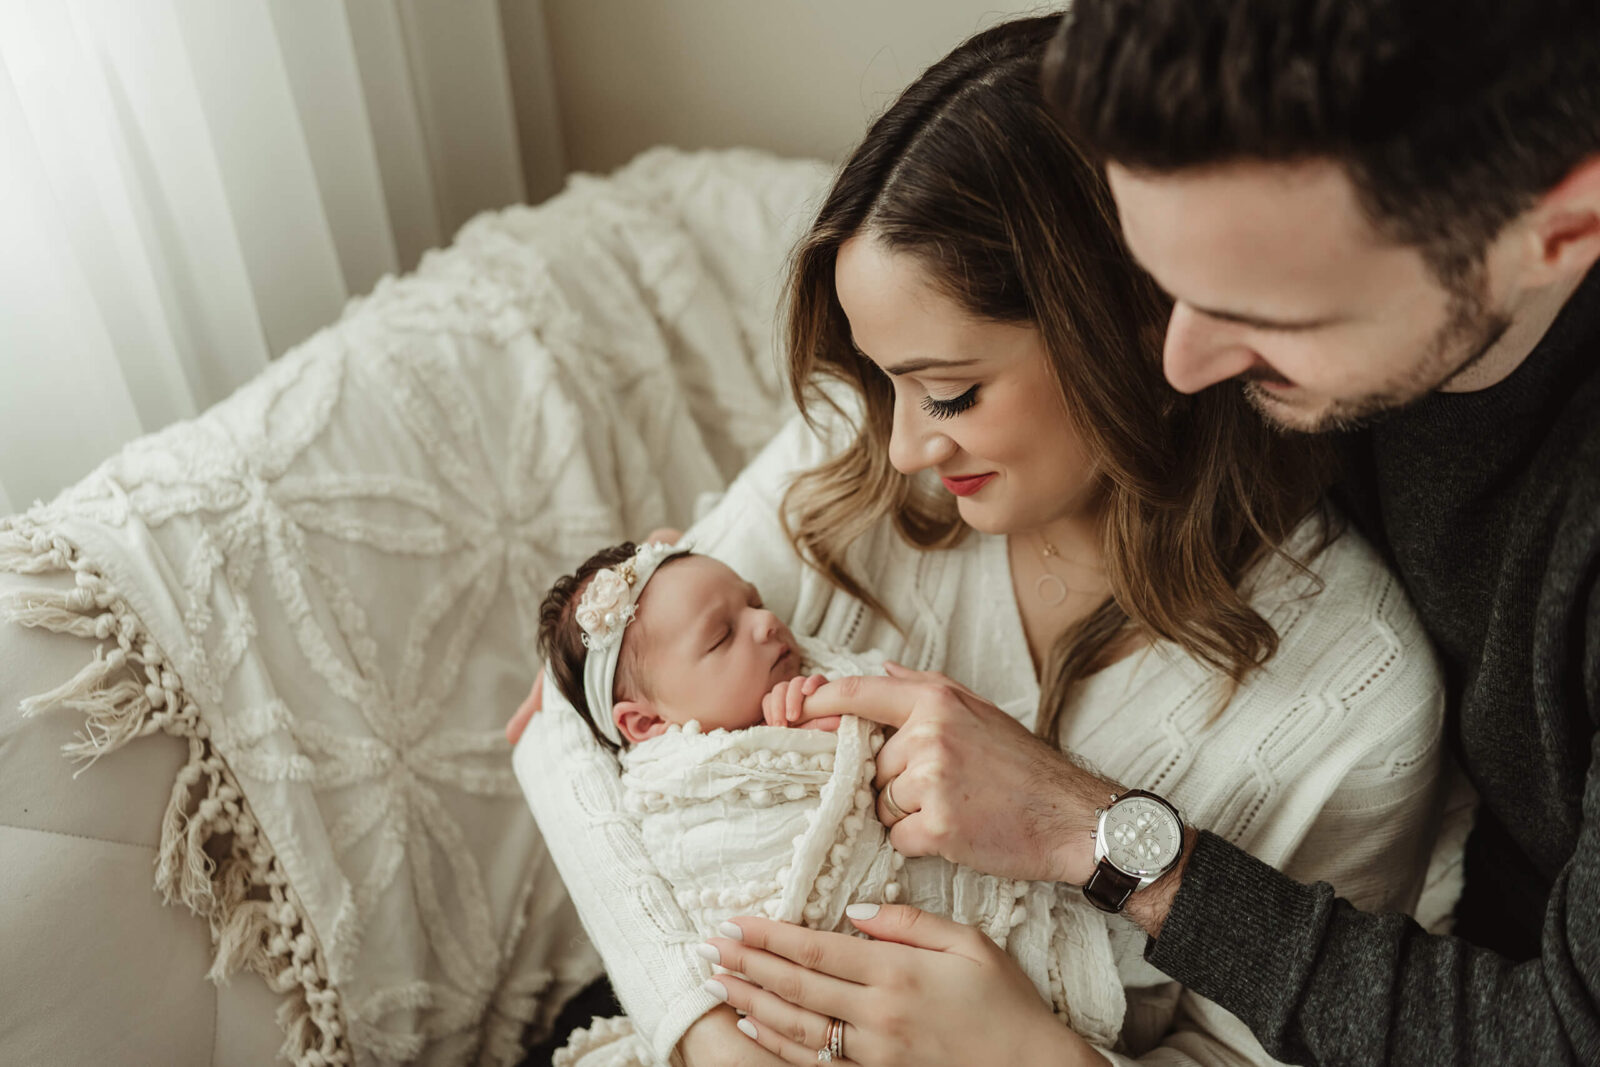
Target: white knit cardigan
(1325,764)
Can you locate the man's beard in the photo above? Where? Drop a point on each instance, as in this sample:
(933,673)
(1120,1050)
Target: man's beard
(1466,337)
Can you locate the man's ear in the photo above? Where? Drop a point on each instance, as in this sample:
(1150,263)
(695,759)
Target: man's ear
(1564,227)
(637,720)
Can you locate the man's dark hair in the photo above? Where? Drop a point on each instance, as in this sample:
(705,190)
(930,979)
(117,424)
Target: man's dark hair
(1451,117)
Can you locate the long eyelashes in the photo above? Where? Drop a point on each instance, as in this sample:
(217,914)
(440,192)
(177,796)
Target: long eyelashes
(949,409)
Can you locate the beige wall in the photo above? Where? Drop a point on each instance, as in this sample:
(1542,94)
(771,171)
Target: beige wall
(799,77)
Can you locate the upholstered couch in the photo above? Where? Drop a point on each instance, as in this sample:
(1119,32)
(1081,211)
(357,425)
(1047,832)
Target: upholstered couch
(253,671)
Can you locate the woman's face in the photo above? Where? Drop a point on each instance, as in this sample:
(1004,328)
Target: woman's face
(974,400)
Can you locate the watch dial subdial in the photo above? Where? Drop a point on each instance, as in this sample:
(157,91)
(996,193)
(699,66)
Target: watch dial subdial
(1141,836)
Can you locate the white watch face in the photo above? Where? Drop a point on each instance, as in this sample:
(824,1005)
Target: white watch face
(1140,835)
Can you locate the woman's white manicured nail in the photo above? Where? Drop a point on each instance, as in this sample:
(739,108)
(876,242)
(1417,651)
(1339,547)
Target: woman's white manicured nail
(748,1028)
(716,989)
(861,911)
(730,931)
(708,952)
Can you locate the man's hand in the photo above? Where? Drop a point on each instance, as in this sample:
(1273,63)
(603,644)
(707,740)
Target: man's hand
(977,787)
(783,706)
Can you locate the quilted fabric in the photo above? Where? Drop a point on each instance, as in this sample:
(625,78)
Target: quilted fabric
(329,583)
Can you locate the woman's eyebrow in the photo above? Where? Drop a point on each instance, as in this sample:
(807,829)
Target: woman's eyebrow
(912,366)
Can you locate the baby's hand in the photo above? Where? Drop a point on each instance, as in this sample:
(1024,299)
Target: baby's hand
(782,706)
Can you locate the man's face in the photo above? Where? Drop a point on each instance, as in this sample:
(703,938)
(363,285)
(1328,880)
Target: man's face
(1280,281)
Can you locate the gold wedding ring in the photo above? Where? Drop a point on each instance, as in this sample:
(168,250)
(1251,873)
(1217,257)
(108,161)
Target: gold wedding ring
(896,812)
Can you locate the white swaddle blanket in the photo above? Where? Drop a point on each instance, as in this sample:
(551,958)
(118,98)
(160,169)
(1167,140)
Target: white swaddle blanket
(781,822)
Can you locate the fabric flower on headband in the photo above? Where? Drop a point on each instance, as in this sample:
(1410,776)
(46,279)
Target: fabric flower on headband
(609,600)
(605,608)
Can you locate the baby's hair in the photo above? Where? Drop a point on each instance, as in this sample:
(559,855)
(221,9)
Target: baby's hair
(561,639)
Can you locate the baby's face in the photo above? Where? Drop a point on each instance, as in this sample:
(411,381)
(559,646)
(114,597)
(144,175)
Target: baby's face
(711,650)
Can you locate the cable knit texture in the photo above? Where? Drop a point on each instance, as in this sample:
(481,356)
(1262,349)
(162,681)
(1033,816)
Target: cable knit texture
(1325,764)
(329,585)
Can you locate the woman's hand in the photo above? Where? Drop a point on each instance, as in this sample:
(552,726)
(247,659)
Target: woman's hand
(714,1040)
(530,705)
(928,991)
(977,788)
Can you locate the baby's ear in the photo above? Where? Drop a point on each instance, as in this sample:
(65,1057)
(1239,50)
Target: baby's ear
(637,720)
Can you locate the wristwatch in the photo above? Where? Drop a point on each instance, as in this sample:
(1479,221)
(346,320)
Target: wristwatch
(1138,838)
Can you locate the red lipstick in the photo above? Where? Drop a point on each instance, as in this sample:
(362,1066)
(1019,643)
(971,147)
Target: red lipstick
(968,485)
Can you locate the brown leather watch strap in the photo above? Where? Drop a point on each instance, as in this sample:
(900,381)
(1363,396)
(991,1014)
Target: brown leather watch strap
(1108,888)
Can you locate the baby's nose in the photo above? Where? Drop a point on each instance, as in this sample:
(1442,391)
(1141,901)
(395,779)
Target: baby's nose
(767,625)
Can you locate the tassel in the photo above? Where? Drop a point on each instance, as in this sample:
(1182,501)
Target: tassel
(60,612)
(80,686)
(19,556)
(242,940)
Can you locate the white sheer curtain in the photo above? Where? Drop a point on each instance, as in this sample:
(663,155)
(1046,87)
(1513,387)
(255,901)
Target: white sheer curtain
(190,187)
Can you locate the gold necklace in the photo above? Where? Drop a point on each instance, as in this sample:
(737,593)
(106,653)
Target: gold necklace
(1050,588)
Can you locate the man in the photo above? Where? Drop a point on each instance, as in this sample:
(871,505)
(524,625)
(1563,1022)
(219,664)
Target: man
(1385,214)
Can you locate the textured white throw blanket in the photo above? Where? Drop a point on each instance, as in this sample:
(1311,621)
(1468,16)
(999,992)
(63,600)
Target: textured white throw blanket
(328,585)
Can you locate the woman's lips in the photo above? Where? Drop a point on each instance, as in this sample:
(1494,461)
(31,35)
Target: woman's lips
(968,485)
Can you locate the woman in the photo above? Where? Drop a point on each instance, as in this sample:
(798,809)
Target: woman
(996,484)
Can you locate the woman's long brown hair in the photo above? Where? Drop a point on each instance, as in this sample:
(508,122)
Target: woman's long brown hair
(968,172)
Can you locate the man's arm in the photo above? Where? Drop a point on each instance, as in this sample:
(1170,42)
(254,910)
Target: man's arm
(1321,982)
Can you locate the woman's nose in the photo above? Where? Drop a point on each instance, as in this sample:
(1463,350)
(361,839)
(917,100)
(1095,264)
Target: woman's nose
(915,440)
(1201,351)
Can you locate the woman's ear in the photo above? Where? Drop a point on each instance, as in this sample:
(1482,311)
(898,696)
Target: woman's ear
(637,720)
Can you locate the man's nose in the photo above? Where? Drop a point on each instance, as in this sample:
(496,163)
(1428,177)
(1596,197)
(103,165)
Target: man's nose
(1200,351)
(915,440)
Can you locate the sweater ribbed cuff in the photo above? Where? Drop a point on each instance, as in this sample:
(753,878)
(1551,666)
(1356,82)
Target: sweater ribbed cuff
(679,1016)
(1240,932)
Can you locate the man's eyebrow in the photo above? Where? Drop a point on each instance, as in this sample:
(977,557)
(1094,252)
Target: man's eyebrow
(1262,321)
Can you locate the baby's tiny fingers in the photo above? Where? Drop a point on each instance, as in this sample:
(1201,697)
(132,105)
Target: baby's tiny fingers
(813,683)
(796,698)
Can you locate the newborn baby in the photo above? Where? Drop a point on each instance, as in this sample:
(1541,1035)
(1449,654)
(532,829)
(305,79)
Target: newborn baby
(673,662)
(696,647)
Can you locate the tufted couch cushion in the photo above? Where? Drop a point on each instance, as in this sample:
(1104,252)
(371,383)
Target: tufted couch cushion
(278,642)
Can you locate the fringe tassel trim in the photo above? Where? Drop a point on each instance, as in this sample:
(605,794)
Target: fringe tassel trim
(213,857)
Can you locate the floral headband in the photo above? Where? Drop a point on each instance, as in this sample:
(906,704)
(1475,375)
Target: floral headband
(609,602)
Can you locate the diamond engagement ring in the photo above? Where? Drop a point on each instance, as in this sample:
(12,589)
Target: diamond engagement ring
(835,1049)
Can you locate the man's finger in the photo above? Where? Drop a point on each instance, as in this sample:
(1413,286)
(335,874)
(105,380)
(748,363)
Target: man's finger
(889,701)
(896,670)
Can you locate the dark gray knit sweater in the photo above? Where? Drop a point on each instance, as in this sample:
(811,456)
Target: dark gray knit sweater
(1488,506)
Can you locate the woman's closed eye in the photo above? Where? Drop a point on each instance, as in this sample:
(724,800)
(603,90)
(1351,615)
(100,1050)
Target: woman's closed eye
(949,409)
